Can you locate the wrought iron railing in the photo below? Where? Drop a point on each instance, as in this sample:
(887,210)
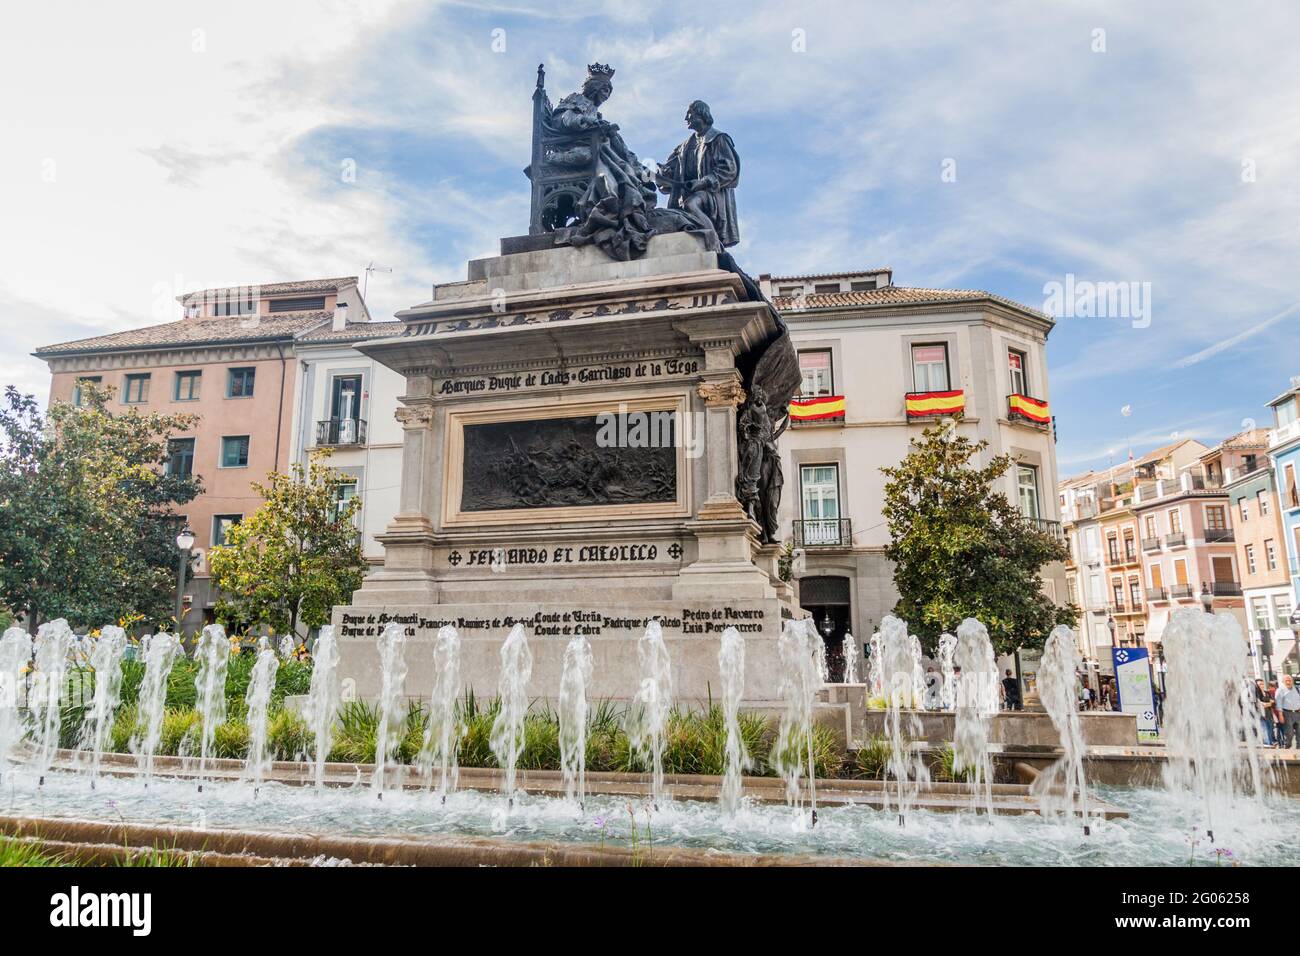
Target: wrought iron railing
(822,533)
(1219,534)
(341,431)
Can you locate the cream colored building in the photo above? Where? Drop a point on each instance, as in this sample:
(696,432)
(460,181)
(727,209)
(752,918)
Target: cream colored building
(875,344)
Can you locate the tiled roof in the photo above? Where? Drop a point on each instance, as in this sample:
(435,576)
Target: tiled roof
(355,331)
(830,275)
(890,295)
(194,332)
(274,288)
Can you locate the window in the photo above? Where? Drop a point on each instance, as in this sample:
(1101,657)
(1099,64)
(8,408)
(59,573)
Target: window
(1175,521)
(180,457)
(342,495)
(234,305)
(1292,497)
(930,368)
(826,288)
(815,367)
(1270,554)
(221,525)
(1216,517)
(137,389)
(1259,613)
(240,384)
(1249,463)
(1130,552)
(187,386)
(1262,498)
(866,285)
(1285,412)
(1072,591)
(77,398)
(234,451)
(1112,546)
(1250,558)
(820,490)
(1135,592)
(345,398)
(1151,527)
(1027,489)
(1016,366)
(1282,610)
(790,291)
(1245,510)
(309,304)
(1117,591)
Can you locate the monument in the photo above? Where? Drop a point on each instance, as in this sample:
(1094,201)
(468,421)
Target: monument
(590,424)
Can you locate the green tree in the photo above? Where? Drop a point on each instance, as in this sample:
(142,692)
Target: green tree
(294,558)
(961,549)
(86,520)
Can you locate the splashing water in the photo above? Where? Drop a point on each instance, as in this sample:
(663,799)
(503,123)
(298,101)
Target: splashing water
(442,735)
(15,652)
(53,642)
(731,665)
(975,699)
(322,705)
(800,679)
(260,687)
(875,672)
(160,653)
(647,716)
(507,737)
(1063,788)
(213,652)
(899,664)
(1212,733)
(948,689)
(106,662)
(573,718)
(849,649)
(392,713)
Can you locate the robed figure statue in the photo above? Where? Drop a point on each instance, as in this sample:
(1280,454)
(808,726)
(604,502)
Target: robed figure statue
(701,176)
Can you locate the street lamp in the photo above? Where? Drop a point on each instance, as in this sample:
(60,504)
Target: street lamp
(1207,599)
(1110,623)
(184,542)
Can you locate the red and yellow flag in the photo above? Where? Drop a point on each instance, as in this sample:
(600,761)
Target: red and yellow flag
(1031,408)
(823,408)
(927,404)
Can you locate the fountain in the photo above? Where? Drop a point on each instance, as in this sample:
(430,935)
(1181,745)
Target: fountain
(647,716)
(106,662)
(160,653)
(849,649)
(800,680)
(975,698)
(507,738)
(731,665)
(948,689)
(1064,787)
(322,705)
(213,653)
(900,663)
(15,652)
(392,703)
(1211,730)
(54,640)
(260,687)
(442,735)
(875,673)
(573,718)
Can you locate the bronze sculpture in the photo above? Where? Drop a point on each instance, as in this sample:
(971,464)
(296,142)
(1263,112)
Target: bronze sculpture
(701,176)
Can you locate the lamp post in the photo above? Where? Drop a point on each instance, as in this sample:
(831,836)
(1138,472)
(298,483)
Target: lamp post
(1266,651)
(184,543)
(1110,624)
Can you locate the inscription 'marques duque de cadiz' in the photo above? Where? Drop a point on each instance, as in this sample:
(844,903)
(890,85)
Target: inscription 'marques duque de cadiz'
(559,377)
(554,462)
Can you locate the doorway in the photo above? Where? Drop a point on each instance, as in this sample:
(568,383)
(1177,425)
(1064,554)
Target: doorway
(826,598)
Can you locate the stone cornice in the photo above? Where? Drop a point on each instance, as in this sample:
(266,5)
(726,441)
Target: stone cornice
(166,358)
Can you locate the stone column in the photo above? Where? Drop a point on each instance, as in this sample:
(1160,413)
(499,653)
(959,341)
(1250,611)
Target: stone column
(722,393)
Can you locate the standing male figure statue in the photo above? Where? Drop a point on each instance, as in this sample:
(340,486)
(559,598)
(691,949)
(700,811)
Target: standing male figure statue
(701,176)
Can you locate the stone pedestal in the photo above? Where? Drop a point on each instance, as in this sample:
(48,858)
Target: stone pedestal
(528,494)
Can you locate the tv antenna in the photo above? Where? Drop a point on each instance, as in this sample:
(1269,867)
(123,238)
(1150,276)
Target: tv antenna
(371,267)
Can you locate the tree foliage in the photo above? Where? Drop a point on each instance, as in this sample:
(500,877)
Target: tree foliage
(86,522)
(961,548)
(294,558)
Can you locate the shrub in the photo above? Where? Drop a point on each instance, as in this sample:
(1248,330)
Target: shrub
(354,737)
(828,758)
(123,729)
(288,737)
(293,677)
(541,750)
(231,740)
(180,732)
(872,758)
(943,767)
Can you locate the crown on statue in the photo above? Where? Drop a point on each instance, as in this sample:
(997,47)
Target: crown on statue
(602,71)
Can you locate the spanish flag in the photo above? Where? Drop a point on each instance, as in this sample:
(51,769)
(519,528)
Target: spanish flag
(1030,408)
(927,404)
(821,409)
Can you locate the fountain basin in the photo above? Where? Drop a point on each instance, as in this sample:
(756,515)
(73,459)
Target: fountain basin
(1017,729)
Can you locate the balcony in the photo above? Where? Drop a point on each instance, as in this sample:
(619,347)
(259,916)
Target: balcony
(1225,588)
(1284,433)
(922,405)
(1180,592)
(1031,411)
(817,410)
(1157,594)
(822,533)
(1213,535)
(1150,544)
(1176,540)
(1130,555)
(341,431)
(1046,526)
(1118,607)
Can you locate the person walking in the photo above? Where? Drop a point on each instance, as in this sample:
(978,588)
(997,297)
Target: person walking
(1011,687)
(1264,702)
(1288,703)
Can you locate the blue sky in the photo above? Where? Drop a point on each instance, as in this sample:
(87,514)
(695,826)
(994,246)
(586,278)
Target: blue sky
(204,144)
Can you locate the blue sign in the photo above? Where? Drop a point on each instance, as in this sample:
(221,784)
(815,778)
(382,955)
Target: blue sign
(1133,684)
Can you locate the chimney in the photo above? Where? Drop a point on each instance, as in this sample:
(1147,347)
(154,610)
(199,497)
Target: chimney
(340,317)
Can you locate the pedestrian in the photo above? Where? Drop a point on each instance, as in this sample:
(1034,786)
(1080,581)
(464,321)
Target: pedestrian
(1011,687)
(1288,703)
(1264,702)
(1277,714)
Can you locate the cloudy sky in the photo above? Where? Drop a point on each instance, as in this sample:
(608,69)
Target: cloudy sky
(1001,146)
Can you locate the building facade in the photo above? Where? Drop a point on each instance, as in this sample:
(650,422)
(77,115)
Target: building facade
(880,363)
(1284,456)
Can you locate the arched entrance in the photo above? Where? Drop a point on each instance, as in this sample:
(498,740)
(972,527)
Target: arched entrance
(826,598)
